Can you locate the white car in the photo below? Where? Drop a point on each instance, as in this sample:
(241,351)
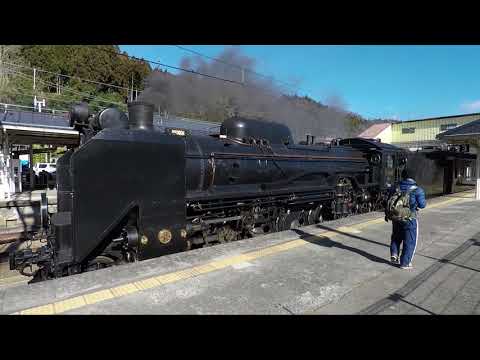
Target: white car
(39,167)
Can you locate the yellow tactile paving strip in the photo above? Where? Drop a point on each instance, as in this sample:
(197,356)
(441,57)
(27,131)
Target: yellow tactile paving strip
(156,281)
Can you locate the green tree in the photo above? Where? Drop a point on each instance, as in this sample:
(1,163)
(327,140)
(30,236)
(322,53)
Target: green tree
(99,63)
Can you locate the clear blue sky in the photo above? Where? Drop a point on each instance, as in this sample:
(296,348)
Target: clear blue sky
(403,82)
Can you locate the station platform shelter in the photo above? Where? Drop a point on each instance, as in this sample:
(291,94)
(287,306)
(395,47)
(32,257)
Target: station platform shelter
(467,134)
(19,132)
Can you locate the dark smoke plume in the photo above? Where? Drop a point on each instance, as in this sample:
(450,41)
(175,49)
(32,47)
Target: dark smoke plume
(196,96)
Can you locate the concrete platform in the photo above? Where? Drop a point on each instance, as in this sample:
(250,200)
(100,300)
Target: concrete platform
(22,214)
(23,206)
(339,267)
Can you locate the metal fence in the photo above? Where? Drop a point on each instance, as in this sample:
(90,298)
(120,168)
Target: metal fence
(34,118)
(15,114)
(4,107)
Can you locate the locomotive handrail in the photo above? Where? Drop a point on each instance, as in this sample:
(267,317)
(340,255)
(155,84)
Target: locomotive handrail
(273,157)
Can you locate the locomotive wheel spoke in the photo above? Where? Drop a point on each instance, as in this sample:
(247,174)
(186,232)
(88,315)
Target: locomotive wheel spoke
(101,262)
(291,221)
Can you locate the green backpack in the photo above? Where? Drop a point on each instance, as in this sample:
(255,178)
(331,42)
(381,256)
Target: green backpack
(398,205)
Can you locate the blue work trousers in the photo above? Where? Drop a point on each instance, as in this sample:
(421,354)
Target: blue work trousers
(405,233)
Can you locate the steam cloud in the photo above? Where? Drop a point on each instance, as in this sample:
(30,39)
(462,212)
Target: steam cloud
(194,95)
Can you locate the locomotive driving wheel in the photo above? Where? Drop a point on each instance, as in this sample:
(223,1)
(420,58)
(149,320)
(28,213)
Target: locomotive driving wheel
(292,220)
(226,234)
(248,223)
(314,216)
(365,207)
(101,262)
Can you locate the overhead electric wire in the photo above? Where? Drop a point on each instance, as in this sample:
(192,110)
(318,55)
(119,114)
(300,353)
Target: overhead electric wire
(28,94)
(64,88)
(236,66)
(142,60)
(276,95)
(266,91)
(49,98)
(46,97)
(88,95)
(151,62)
(172,67)
(67,76)
(211,58)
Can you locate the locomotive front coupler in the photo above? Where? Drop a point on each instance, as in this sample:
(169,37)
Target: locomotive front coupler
(42,256)
(26,258)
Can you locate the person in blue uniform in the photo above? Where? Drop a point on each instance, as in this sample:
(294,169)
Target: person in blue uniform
(406,232)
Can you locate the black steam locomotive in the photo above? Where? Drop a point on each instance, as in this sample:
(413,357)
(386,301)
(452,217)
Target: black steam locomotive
(132,192)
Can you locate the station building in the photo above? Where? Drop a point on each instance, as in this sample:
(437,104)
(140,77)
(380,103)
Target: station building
(19,132)
(417,134)
(454,165)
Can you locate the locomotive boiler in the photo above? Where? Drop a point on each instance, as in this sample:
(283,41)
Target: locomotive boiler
(131,191)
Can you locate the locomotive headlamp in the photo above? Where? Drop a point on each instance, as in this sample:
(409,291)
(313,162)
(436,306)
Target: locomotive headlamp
(164,236)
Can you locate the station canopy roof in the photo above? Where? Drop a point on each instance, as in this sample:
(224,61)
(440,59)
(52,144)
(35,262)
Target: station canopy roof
(28,127)
(465,134)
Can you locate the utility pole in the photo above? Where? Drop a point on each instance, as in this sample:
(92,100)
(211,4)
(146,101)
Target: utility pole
(1,66)
(34,78)
(131,95)
(160,115)
(243,75)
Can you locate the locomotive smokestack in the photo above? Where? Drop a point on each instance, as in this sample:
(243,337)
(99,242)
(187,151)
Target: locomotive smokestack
(140,115)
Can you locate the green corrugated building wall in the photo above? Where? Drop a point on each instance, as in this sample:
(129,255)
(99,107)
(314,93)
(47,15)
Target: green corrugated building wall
(422,132)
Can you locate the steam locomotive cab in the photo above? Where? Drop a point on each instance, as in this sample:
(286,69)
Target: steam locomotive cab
(386,161)
(132,192)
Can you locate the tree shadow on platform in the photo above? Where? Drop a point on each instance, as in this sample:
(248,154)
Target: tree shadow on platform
(29,222)
(11,238)
(327,242)
(21,215)
(397,297)
(445,261)
(418,307)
